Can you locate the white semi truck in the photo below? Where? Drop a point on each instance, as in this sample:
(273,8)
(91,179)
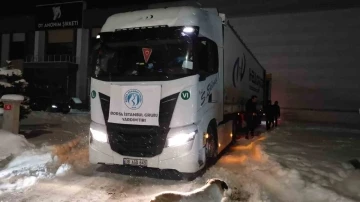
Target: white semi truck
(168,88)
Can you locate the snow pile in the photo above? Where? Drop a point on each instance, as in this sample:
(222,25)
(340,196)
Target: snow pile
(24,171)
(28,168)
(12,144)
(12,97)
(21,165)
(6,84)
(22,81)
(10,72)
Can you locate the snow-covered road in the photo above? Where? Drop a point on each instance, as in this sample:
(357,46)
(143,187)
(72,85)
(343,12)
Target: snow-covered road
(296,162)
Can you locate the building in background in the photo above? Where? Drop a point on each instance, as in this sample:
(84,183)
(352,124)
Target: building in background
(312,54)
(54,47)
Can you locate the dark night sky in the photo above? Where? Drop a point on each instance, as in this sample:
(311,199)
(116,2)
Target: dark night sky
(246,7)
(16,7)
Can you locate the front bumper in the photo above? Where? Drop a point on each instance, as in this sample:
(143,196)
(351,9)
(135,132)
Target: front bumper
(186,158)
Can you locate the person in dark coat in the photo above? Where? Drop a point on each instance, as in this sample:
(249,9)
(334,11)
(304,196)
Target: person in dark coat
(269,114)
(251,115)
(276,112)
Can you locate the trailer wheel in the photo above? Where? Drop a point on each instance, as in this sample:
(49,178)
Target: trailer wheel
(211,145)
(235,129)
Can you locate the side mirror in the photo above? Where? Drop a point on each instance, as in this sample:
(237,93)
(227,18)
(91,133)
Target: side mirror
(202,76)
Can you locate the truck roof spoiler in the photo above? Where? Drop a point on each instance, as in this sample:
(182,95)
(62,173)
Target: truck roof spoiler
(211,10)
(215,11)
(175,4)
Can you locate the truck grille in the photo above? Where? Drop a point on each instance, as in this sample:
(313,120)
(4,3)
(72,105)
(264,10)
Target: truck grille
(135,140)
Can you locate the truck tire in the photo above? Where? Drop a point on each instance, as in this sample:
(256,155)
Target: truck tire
(235,129)
(211,145)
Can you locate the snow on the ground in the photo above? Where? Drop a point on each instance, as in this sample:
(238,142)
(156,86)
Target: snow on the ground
(43,128)
(316,157)
(24,161)
(302,163)
(12,144)
(20,164)
(23,171)
(39,117)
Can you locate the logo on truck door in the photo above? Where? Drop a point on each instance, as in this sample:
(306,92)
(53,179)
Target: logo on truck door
(133,99)
(185,95)
(207,92)
(239,70)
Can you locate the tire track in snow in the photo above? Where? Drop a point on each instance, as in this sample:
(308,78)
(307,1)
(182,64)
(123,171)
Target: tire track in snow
(94,191)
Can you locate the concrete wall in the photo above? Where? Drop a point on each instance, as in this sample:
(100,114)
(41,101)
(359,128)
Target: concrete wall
(17,24)
(313,57)
(349,119)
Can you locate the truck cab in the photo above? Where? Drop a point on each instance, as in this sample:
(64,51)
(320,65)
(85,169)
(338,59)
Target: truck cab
(157,90)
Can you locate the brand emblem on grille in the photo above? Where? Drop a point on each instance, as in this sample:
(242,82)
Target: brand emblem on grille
(133,99)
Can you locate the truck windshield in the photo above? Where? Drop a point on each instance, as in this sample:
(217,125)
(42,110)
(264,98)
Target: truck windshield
(137,60)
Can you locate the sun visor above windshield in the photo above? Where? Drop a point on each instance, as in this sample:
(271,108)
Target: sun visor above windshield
(150,33)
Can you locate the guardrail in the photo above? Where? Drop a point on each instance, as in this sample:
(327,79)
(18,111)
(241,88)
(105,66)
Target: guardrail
(50,58)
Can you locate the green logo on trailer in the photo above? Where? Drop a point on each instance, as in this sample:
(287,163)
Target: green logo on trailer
(185,95)
(93,94)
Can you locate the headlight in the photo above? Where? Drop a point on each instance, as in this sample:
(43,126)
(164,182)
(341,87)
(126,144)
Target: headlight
(188,30)
(180,139)
(53,106)
(98,135)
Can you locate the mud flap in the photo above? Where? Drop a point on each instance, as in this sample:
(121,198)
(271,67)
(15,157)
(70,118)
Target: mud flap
(355,163)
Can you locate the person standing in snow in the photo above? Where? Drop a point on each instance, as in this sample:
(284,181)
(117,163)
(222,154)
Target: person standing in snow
(276,108)
(251,115)
(269,113)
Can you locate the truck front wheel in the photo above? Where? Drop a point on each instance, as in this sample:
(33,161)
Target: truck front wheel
(210,145)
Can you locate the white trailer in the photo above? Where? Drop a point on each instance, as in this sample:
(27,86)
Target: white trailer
(167,88)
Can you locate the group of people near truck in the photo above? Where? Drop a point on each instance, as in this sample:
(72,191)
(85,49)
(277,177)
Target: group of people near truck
(272,114)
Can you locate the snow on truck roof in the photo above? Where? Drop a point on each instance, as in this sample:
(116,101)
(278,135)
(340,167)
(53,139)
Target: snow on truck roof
(172,16)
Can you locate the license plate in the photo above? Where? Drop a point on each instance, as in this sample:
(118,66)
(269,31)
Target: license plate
(135,162)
